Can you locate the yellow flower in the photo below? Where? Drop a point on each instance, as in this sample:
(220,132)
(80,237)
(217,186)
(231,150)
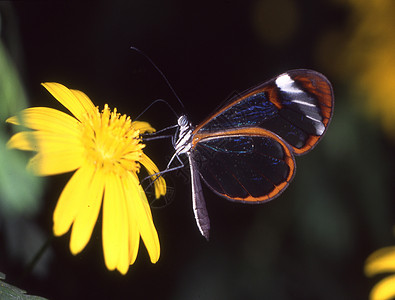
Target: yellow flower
(362,54)
(105,149)
(382,261)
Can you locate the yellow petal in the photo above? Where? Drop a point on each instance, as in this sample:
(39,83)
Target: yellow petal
(160,184)
(77,105)
(115,225)
(143,127)
(87,214)
(56,162)
(139,210)
(85,101)
(124,260)
(384,289)
(47,119)
(43,141)
(23,141)
(134,240)
(70,200)
(380,261)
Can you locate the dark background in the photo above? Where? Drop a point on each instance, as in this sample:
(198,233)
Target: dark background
(310,243)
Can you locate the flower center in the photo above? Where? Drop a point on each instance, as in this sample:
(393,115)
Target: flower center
(111,141)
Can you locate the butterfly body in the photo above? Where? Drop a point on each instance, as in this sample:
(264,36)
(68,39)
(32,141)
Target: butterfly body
(245,151)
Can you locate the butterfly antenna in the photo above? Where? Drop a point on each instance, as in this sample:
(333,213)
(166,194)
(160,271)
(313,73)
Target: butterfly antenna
(154,102)
(160,72)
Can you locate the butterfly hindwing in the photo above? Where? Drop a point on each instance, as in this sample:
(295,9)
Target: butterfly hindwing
(248,165)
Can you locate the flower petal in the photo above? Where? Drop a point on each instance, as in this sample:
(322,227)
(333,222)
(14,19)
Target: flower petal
(160,183)
(124,260)
(134,240)
(143,127)
(43,141)
(85,101)
(139,210)
(380,261)
(75,102)
(384,289)
(87,214)
(115,225)
(23,141)
(47,119)
(69,201)
(56,162)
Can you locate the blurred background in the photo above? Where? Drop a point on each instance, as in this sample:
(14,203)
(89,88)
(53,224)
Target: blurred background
(310,243)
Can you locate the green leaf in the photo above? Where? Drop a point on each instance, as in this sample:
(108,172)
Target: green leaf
(20,191)
(10,292)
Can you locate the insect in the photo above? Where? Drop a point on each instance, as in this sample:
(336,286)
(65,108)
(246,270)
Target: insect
(245,151)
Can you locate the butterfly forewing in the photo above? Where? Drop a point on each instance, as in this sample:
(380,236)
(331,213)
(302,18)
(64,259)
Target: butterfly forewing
(296,106)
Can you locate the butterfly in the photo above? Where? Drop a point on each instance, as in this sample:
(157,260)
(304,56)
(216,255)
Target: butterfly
(245,151)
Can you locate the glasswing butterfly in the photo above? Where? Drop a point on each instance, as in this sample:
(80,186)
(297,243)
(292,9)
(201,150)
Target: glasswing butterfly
(245,151)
